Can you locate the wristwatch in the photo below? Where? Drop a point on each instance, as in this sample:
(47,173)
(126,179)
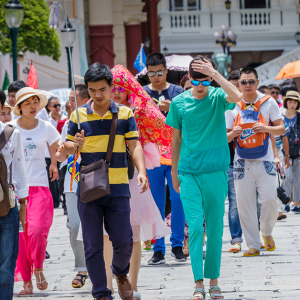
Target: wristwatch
(24,201)
(287,155)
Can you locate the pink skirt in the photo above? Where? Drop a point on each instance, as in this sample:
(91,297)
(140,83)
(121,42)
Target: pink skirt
(145,218)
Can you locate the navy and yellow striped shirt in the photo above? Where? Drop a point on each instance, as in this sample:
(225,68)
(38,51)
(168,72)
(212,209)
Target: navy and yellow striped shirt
(96,132)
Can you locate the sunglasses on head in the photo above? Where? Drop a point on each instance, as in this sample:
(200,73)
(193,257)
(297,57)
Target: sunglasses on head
(204,82)
(56,105)
(275,93)
(121,90)
(250,82)
(152,73)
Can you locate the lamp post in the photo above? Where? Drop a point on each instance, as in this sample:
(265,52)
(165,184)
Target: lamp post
(72,35)
(165,51)
(13,12)
(228,4)
(226,39)
(297,37)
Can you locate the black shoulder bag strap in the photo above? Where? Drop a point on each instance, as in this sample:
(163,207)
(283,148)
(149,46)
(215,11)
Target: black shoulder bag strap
(4,137)
(112,135)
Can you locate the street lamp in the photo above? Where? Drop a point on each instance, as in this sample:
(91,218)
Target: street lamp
(226,39)
(13,12)
(297,37)
(228,4)
(72,36)
(165,51)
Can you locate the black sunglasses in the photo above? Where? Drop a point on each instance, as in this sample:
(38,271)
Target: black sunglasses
(56,105)
(275,93)
(152,73)
(250,82)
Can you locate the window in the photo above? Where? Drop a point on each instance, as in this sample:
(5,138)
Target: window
(255,4)
(184,5)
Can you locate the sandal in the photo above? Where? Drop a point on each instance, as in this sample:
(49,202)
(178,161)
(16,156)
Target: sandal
(254,253)
(268,244)
(147,246)
(39,280)
(136,295)
(199,296)
(235,248)
(81,280)
(262,246)
(215,296)
(27,289)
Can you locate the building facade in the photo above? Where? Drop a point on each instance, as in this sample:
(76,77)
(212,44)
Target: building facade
(265,28)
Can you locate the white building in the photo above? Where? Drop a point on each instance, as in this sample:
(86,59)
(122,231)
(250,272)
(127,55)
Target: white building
(265,28)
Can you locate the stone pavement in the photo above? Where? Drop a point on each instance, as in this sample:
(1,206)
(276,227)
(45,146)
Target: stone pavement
(273,275)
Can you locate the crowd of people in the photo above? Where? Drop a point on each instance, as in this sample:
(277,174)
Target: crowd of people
(207,131)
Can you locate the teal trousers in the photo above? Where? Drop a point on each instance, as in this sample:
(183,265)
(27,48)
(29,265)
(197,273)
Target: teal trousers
(203,196)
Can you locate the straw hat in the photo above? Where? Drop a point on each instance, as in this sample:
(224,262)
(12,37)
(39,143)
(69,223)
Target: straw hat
(25,93)
(292,95)
(6,104)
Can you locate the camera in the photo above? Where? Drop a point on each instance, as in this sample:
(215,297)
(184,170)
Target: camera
(283,196)
(296,141)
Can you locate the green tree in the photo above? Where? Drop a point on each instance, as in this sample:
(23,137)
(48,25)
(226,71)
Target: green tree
(34,34)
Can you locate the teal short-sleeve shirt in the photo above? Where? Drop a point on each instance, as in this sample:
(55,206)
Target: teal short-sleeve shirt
(204,147)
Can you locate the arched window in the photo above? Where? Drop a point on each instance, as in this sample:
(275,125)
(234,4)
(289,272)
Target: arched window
(255,4)
(185,5)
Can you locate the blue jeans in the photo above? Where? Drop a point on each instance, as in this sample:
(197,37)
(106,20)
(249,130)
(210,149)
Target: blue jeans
(233,215)
(158,188)
(9,249)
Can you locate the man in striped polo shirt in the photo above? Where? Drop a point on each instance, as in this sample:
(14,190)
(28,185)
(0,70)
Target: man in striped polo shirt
(95,120)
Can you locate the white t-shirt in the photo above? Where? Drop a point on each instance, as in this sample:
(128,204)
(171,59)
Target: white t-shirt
(268,109)
(67,182)
(35,143)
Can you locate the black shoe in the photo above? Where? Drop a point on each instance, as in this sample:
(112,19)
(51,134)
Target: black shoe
(157,259)
(65,212)
(47,255)
(178,254)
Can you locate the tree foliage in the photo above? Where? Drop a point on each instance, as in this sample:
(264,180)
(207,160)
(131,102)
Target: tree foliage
(34,34)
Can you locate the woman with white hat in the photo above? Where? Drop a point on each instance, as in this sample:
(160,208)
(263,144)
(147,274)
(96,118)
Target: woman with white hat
(292,119)
(36,136)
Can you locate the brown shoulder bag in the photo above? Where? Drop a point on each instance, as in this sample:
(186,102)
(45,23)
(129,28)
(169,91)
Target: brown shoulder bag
(94,179)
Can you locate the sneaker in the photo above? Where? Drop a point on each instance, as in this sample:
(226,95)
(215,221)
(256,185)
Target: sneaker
(178,254)
(296,210)
(287,208)
(157,259)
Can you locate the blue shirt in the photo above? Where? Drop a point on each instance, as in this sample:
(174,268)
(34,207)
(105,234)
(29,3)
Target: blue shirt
(171,92)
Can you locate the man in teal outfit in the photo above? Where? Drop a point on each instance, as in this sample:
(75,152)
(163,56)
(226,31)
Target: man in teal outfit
(200,154)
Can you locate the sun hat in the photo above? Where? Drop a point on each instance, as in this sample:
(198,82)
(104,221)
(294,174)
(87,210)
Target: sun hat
(292,95)
(25,93)
(6,104)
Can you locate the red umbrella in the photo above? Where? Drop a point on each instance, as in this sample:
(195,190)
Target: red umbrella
(32,77)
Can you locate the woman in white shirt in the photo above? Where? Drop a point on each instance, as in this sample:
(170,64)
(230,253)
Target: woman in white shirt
(36,136)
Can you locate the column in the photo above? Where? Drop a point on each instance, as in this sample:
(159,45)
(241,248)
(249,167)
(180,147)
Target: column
(152,17)
(133,16)
(101,32)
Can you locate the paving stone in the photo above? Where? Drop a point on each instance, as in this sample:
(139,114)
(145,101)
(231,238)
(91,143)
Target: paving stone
(273,275)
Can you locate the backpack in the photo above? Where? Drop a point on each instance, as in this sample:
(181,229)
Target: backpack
(251,145)
(7,196)
(292,135)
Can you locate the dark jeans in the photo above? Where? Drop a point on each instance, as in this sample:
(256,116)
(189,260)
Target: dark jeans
(233,215)
(53,185)
(9,249)
(116,215)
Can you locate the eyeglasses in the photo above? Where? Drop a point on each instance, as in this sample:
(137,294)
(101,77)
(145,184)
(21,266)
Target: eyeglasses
(275,93)
(204,82)
(121,90)
(152,73)
(250,82)
(56,105)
